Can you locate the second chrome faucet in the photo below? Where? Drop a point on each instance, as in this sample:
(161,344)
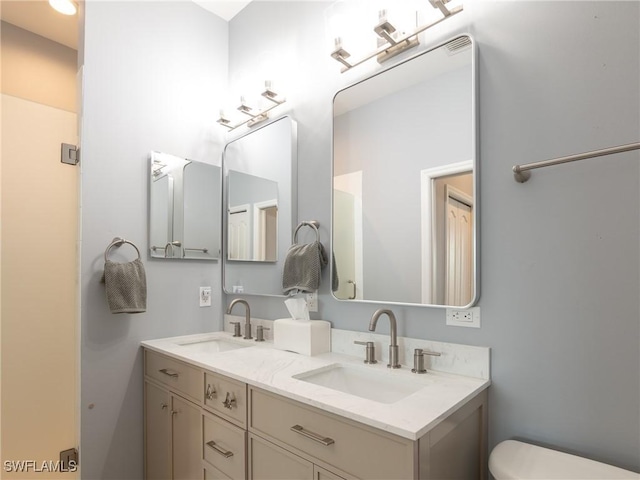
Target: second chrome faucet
(247,323)
(393,344)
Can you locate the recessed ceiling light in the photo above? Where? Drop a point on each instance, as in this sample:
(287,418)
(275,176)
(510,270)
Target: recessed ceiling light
(66,7)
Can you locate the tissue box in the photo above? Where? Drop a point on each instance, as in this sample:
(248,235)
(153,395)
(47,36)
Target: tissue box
(308,337)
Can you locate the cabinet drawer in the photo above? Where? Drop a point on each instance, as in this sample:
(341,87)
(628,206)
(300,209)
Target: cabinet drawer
(178,376)
(224,446)
(227,397)
(354,448)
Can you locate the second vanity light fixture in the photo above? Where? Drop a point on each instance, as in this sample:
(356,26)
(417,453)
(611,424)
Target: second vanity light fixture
(255,116)
(393,42)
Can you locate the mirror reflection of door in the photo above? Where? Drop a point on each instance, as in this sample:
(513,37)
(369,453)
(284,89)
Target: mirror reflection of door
(347,235)
(265,244)
(453,239)
(239,232)
(459,208)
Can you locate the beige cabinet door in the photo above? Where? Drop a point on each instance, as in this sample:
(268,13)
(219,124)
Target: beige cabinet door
(320,473)
(186,439)
(157,432)
(270,462)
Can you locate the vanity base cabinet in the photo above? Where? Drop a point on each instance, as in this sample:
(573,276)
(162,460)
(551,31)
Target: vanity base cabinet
(172,435)
(186,439)
(173,438)
(157,432)
(457,447)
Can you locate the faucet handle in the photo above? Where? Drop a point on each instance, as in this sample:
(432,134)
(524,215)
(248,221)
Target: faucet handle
(236,329)
(260,333)
(370,351)
(418,359)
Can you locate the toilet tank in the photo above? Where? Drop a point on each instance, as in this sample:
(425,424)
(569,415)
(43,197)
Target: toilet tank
(515,460)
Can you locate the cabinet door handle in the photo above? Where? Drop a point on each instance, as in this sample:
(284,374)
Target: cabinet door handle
(326,441)
(229,402)
(163,406)
(211,392)
(169,373)
(216,448)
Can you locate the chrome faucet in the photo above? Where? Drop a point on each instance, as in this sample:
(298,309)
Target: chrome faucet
(393,346)
(169,247)
(247,321)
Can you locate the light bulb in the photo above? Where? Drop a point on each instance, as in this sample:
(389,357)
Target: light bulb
(66,7)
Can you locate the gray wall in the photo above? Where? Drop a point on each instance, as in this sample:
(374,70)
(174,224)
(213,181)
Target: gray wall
(152,73)
(559,260)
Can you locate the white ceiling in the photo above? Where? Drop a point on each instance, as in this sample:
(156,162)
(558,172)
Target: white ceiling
(38,17)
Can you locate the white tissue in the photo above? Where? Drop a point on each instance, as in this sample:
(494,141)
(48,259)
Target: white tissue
(298,308)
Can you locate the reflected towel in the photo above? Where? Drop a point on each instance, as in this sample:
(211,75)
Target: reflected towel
(126,286)
(303,267)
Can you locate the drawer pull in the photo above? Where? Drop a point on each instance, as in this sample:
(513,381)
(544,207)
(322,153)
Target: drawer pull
(169,373)
(216,448)
(229,402)
(211,392)
(326,441)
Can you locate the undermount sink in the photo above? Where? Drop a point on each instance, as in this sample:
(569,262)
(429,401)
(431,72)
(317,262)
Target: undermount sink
(383,387)
(211,346)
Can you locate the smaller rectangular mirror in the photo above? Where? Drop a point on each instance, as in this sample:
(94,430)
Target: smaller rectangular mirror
(260,207)
(184,208)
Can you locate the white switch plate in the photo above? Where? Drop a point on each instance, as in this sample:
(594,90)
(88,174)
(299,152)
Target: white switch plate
(205,296)
(468,317)
(312,301)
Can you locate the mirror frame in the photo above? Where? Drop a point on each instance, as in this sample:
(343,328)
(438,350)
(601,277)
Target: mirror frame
(282,236)
(476,175)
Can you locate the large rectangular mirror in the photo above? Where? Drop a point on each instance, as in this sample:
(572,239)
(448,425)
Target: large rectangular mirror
(405,182)
(260,207)
(184,208)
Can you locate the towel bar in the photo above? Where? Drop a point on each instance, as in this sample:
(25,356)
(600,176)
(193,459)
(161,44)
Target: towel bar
(312,224)
(118,242)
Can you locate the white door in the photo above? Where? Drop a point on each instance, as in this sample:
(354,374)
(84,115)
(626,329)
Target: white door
(458,272)
(39,286)
(239,233)
(348,235)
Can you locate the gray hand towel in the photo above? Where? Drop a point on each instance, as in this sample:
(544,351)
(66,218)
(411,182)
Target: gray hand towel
(302,268)
(126,286)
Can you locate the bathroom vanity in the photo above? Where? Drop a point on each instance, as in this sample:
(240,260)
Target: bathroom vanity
(217,407)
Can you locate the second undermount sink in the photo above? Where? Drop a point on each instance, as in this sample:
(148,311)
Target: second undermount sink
(211,346)
(379,386)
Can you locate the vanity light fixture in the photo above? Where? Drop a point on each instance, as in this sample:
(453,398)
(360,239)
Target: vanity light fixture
(391,41)
(255,116)
(66,7)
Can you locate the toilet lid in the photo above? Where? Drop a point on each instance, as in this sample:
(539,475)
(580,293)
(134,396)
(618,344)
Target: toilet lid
(521,461)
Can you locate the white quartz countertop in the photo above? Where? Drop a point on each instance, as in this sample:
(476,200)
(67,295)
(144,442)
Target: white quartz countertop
(265,367)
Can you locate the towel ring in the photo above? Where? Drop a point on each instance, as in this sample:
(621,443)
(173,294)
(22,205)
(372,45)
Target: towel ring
(313,224)
(118,242)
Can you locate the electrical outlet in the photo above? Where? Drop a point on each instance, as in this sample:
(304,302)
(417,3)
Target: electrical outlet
(468,317)
(205,296)
(312,301)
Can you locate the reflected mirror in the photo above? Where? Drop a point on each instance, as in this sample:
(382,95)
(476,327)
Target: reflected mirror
(405,196)
(260,207)
(184,208)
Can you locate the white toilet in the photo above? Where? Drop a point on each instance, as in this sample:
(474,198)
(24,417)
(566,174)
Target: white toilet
(513,460)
